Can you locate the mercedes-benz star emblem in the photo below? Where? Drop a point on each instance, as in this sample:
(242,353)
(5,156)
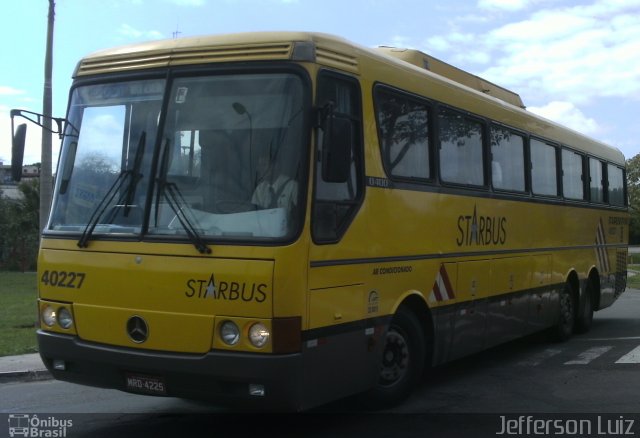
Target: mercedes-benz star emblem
(137,329)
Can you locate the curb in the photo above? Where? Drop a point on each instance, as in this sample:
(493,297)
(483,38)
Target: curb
(24,376)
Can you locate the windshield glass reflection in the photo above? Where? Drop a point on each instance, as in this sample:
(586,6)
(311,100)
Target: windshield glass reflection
(233,157)
(95,181)
(228,162)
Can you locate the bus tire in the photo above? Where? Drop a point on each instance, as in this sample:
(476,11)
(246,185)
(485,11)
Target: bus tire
(566,318)
(402,361)
(584,320)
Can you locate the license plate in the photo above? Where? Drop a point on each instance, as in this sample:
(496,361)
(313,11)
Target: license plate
(146,384)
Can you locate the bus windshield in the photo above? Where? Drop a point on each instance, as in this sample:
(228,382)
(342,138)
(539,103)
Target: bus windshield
(223,159)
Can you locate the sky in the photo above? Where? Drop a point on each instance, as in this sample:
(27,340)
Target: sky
(574,62)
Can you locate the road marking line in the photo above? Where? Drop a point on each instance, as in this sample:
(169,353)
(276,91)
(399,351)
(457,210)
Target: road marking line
(631,357)
(627,338)
(536,359)
(589,355)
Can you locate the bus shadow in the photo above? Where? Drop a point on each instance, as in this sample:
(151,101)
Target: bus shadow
(443,389)
(491,365)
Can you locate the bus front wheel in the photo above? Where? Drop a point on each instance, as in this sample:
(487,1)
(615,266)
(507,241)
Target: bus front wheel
(402,360)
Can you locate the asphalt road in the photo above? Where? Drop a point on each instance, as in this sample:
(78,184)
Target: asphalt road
(591,374)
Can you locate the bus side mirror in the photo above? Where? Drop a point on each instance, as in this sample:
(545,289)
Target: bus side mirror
(17,151)
(336,149)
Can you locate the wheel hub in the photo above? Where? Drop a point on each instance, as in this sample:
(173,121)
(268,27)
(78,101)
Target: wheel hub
(395,358)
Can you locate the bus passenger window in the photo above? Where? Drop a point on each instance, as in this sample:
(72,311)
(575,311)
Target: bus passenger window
(572,180)
(461,157)
(596,183)
(544,173)
(507,162)
(403,126)
(616,185)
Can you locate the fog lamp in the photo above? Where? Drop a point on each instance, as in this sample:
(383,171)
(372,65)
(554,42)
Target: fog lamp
(256,390)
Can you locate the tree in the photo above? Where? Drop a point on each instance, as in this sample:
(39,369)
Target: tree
(633,190)
(19,228)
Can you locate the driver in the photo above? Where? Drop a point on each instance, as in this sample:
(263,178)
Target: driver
(274,189)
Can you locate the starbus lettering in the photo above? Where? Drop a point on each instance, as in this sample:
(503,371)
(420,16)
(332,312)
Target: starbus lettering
(226,290)
(615,220)
(481,230)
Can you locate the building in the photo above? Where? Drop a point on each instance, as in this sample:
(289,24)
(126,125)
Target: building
(8,186)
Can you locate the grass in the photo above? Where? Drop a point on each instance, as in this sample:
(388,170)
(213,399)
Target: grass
(18,313)
(633,281)
(634,259)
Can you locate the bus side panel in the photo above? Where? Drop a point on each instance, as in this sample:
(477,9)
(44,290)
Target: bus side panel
(540,305)
(444,321)
(508,307)
(339,363)
(471,317)
(614,282)
(341,345)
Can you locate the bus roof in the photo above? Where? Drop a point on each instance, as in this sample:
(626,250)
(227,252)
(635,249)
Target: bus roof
(476,94)
(428,62)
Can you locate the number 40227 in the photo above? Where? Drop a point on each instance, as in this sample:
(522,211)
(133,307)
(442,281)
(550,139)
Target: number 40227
(71,280)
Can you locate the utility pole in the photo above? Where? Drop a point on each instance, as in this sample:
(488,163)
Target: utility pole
(46,178)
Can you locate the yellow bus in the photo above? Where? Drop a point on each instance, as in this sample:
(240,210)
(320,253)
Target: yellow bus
(278,220)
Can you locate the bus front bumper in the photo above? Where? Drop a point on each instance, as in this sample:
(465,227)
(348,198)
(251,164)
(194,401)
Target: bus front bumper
(254,381)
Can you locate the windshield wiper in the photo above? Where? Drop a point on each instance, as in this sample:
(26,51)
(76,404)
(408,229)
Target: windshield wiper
(133,175)
(136,175)
(176,201)
(83,242)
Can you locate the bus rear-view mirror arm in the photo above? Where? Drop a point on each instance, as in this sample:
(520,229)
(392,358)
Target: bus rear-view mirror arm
(19,135)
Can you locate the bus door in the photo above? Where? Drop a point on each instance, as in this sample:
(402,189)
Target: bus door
(338,353)
(469,329)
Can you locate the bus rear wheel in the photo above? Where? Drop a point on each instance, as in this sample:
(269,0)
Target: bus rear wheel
(566,318)
(584,321)
(402,361)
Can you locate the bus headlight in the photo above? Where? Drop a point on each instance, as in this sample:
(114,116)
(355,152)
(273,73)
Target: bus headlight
(229,332)
(259,335)
(65,319)
(49,316)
